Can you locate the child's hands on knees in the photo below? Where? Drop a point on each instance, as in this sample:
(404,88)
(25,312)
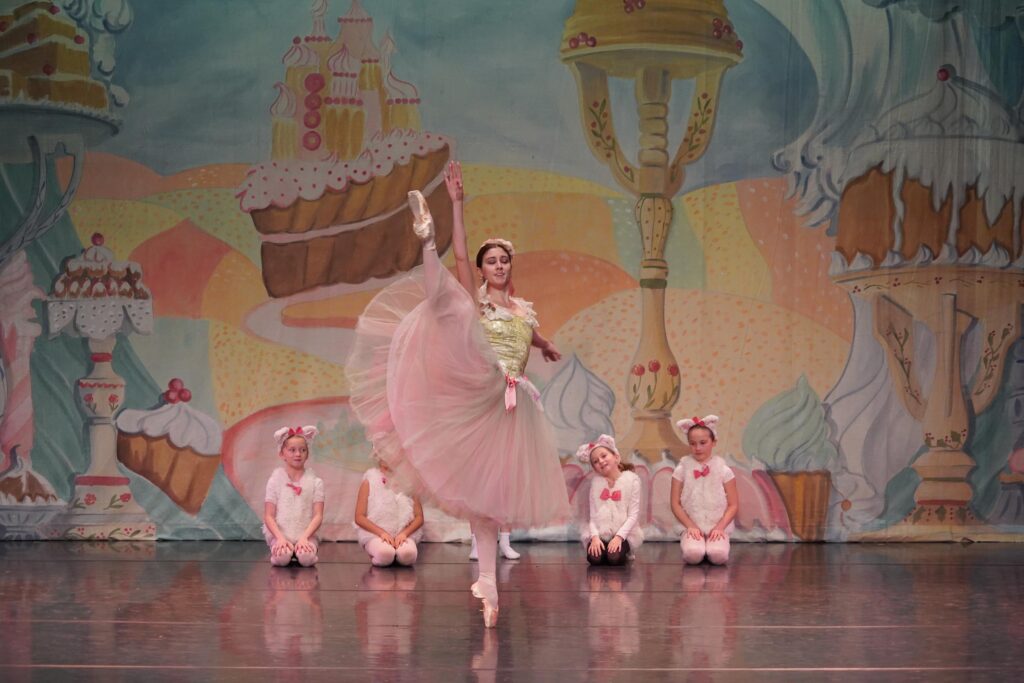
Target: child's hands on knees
(615,545)
(282,548)
(716,535)
(303,546)
(387,538)
(400,539)
(694,533)
(595,547)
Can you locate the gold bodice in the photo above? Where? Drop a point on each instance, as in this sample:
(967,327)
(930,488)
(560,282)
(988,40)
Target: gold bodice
(510,339)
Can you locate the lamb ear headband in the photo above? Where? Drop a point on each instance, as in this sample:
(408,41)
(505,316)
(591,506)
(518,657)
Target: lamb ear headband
(309,432)
(709,422)
(603,441)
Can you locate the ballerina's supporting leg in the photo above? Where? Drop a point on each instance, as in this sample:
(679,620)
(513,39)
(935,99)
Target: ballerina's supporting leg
(486,586)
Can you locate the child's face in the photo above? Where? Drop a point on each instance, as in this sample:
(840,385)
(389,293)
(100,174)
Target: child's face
(604,461)
(701,443)
(295,452)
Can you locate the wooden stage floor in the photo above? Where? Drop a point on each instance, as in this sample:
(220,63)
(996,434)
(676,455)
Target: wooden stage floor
(191,611)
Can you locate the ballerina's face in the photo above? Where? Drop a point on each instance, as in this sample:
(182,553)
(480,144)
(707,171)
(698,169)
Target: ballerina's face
(496,268)
(604,461)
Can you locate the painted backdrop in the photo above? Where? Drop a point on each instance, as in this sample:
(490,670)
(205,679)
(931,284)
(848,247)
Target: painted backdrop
(804,217)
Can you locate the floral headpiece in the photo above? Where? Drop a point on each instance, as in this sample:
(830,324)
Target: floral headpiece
(603,441)
(708,422)
(498,242)
(309,432)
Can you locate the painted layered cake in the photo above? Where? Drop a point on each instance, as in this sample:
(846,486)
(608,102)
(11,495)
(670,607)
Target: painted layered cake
(347,147)
(45,58)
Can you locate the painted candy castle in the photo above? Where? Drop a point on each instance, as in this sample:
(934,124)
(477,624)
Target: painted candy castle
(348,146)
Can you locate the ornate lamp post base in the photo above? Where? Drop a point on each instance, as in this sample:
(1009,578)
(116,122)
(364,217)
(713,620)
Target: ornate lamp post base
(104,509)
(652,434)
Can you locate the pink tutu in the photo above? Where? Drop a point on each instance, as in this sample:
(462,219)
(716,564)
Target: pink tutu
(427,387)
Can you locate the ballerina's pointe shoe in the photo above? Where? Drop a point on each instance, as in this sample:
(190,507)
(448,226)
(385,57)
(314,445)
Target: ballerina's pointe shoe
(490,615)
(422,221)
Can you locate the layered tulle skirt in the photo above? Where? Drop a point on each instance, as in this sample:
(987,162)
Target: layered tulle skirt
(427,387)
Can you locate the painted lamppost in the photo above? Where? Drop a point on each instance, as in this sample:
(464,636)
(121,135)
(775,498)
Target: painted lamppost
(651,45)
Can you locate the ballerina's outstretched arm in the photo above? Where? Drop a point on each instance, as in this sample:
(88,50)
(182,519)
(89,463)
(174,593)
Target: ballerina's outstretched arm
(464,270)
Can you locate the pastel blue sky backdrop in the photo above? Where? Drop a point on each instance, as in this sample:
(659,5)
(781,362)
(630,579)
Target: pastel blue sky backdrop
(200,75)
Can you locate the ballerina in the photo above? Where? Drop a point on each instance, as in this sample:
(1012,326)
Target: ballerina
(436,377)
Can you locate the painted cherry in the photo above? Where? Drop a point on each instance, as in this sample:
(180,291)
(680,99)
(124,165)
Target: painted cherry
(171,396)
(79,39)
(30,38)
(176,384)
(97,239)
(48,69)
(185,395)
(943,74)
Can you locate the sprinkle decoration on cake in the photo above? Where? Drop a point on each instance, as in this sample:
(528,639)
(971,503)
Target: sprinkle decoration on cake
(175,446)
(347,147)
(47,59)
(96,296)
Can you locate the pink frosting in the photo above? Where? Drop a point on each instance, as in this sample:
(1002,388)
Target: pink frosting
(281,183)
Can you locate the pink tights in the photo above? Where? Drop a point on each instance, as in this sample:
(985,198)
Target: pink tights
(384,554)
(694,551)
(486,532)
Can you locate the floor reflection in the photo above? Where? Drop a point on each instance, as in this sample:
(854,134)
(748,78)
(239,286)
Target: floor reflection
(387,614)
(293,618)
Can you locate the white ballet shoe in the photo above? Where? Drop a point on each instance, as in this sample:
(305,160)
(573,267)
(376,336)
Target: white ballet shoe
(505,546)
(472,549)
(422,221)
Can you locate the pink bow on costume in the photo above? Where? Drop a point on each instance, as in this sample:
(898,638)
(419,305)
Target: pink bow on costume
(703,472)
(614,495)
(510,391)
(294,487)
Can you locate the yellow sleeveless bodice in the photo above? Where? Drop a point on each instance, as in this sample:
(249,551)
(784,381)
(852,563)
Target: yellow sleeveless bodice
(510,339)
